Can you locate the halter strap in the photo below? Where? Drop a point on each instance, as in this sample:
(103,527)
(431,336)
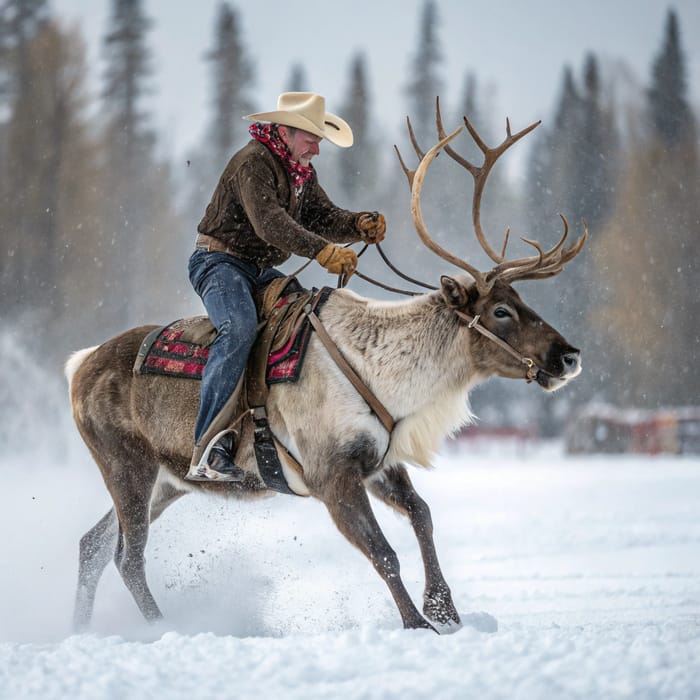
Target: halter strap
(473,322)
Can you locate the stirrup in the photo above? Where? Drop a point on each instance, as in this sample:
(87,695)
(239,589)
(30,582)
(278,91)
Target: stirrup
(216,462)
(203,472)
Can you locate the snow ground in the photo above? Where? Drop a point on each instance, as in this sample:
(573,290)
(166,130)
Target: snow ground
(589,568)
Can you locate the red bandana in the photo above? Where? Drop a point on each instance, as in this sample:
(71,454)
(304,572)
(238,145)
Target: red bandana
(268,134)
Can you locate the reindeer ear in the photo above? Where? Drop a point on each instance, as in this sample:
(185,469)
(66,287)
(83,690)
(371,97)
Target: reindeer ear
(455,294)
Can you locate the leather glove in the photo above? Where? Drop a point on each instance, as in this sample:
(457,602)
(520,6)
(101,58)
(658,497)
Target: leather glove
(338,260)
(371,226)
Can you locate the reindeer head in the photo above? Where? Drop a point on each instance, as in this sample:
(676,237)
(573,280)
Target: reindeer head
(527,346)
(506,338)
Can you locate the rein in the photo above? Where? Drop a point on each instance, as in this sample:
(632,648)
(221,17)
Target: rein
(343,279)
(396,271)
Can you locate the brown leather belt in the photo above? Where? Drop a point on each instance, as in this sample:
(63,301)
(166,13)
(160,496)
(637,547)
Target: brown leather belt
(211,244)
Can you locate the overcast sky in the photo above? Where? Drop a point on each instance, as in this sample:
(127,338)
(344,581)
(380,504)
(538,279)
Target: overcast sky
(517,50)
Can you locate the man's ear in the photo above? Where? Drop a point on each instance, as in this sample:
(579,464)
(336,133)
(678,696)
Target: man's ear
(455,294)
(283,134)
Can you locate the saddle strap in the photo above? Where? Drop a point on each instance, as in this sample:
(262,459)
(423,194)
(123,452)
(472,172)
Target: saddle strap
(264,445)
(257,389)
(374,403)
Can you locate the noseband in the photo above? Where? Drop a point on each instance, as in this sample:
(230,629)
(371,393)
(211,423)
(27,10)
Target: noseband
(473,322)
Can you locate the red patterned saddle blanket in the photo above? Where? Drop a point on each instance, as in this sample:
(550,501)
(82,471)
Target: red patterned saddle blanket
(181,348)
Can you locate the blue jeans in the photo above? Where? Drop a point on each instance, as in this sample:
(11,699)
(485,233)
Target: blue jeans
(227,287)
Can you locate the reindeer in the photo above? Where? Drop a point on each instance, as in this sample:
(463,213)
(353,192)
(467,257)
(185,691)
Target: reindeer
(420,357)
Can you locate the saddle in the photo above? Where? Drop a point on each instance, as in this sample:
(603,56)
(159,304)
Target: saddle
(181,349)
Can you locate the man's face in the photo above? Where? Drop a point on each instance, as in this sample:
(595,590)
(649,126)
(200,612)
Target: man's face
(302,145)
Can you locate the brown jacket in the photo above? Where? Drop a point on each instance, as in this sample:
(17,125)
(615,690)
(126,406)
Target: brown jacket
(256,213)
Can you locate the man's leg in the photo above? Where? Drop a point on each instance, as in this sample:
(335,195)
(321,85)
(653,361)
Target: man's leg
(225,288)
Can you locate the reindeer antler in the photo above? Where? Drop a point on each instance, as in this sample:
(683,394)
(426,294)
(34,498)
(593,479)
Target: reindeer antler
(415,180)
(544,264)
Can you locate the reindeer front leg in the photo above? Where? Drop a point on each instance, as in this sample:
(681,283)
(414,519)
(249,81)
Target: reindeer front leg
(394,487)
(348,505)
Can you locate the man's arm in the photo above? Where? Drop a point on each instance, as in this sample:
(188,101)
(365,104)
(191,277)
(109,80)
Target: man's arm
(321,216)
(271,221)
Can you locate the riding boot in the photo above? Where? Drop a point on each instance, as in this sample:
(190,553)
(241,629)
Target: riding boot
(213,456)
(215,462)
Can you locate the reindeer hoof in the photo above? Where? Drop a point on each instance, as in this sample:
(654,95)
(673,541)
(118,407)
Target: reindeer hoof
(420,624)
(449,627)
(440,610)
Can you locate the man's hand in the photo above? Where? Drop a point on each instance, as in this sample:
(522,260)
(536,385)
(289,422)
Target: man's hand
(338,260)
(371,226)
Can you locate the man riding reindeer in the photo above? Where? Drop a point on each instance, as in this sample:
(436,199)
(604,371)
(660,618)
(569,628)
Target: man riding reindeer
(267,205)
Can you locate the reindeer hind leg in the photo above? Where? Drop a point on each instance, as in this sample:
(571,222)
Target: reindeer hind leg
(97,546)
(130,556)
(105,541)
(130,470)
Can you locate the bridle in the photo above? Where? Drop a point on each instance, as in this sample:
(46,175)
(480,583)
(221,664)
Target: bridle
(473,322)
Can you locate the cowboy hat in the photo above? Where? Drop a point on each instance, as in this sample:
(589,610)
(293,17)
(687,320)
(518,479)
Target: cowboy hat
(307,111)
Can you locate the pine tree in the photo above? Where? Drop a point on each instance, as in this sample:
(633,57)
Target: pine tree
(56,101)
(358,165)
(232,74)
(597,155)
(140,226)
(572,170)
(128,144)
(674,194)
(297,81)
(126,84)
(670,111)
(53,210)
(72,161)
(425,83)
(585,171)
(468,105)
(231,77)
(20,21)
(423,86)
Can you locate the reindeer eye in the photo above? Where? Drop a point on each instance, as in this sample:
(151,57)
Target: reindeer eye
(501,312)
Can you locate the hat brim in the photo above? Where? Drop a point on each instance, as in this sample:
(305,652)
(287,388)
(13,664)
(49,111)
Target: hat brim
(335,129)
